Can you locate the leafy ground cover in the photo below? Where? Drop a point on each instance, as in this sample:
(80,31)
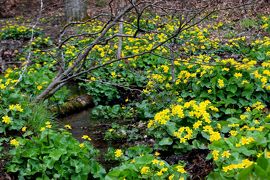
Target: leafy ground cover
(202,114)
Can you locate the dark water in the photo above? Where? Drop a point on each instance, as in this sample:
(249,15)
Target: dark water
(82,124)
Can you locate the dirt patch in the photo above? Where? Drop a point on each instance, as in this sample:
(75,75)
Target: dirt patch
(196,164)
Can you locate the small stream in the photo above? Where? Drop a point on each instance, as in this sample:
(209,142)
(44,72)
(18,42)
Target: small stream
(82,124)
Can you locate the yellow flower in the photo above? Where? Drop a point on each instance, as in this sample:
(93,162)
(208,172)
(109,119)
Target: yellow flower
(180,169)
(164,169)
(42,129)
(149,125)
(2,86)
(171,177)
(92,78)
(226,154)
(178,110)
(246,141)
(267,154)
(244,164)
(197,124)
(67,126)
(161,163)
(6,119)
(16,107)
(81,145)
(157,153)
(160,173)
(113,74)
(145,170)
(215,154)
(238,75)
(162,117)
(14,142)
(243,117)
(233,133)
(165,68)
(11,107)
(221,83)
(49,126)
(39,87)
(214,136)
(155,161)
(19,108)
(118,153)
(248,109)
(86,137)
(24,129)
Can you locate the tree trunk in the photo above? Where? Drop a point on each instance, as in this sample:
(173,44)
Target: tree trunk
(75,10)
(121,30)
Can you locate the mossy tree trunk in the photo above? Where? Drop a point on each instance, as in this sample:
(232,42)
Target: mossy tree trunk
(75,10)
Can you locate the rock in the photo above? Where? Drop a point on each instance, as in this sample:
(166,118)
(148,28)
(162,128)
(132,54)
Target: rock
(74,105)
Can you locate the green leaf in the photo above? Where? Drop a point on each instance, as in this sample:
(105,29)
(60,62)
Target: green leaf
(260,172)
(245,173)
(165,141)
(146,159)
(171,128)
(229,101)
(230,111)
(231,88)
(215,176)
(263,162)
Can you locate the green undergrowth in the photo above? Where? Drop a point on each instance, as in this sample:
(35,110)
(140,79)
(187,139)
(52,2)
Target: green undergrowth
(214,95)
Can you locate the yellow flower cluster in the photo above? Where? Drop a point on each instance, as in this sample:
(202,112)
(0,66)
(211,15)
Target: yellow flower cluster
(177,110)
(16,107)
(221,83)
(258,105)
(14,142)
(158,77)
(162,117)
(245,141)
(184,76)
(244,164)
(184,134)
(160,173)
(214,136)
(47,125)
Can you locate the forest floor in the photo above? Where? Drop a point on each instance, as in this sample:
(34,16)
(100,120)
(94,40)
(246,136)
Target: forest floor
(52,20)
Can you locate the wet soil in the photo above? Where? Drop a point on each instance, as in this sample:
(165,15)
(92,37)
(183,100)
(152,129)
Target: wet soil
(196,164)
